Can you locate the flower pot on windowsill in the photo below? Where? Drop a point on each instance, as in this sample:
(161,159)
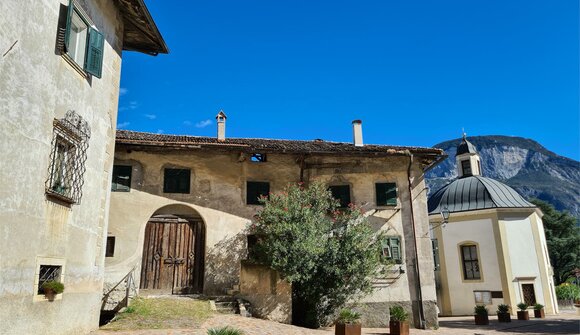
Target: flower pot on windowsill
(523,315)
(347,329)
(399,327)
(51,288)
(49,295)
(504,317)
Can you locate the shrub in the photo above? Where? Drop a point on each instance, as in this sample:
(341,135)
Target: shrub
(538,307)
(568,291)
(224,331)
(503,308)
(54,286)
(398,313)
(523,306)
(480,310)
(348,316)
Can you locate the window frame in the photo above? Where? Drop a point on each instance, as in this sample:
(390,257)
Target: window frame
(177,190)
(341,204)
(114,185)
(47,261)
(388,245)
(466,164)
(256,202)
(463,261)
(389,202)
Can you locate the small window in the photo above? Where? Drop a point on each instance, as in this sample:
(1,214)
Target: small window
(435,246)
(391,247)
(342,194)
(529,294)
(386,194)
(48,273)
(496,294)
(110,250)
(82,43)
(255,190)
(466,168)
(121,178)
(176,181)
(482,297)
(470,262)
(258,158)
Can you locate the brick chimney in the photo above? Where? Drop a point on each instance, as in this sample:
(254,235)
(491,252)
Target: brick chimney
(221,125)
(357,138)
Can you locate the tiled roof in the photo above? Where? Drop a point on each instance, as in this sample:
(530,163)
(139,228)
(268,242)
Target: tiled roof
(126,137)
(473,193)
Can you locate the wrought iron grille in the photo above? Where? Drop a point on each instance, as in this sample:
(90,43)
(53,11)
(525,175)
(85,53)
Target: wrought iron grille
(48,273)
(70,142)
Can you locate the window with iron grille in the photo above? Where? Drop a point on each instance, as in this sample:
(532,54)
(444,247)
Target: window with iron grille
(176,181)
(342,194)
(48,273)
(255,190)
(121,181)
(470,262)
(68,155)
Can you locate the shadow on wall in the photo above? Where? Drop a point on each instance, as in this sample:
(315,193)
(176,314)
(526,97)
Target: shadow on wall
(223,264)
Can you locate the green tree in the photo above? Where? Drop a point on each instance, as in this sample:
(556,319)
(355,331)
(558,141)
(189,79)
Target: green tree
(563,239)
(329,255)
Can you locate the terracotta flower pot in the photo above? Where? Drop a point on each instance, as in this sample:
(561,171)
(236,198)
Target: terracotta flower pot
(481,320)
(504,317)
(347,329)
(539,313)
(523,315)
(399,327)
(50,295)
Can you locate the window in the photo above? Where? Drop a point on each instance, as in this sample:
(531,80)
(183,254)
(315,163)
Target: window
(391,247)
(256,189)
(342,194)
(258,158)
(176,181)
(82,42)
(470,262)
(121,178)
(466,168)
(482,297)
(529,294)
(110,249)
(386,194)
(435,246)
(497,294)
(48,273)
(67,158)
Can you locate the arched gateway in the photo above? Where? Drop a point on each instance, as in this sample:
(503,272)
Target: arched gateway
(173,252)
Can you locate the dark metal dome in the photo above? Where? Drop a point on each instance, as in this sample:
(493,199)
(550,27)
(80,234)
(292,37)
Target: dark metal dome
(466,147)
(473,193)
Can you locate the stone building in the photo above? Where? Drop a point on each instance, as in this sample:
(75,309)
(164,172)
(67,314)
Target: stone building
(490,246)
(60,66)
(181,206)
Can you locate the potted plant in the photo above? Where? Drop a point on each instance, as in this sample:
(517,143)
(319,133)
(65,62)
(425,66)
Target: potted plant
(539,311)
(503,313)
(51,288)
(398,324)
(481,315)
(348,323)
(523,312)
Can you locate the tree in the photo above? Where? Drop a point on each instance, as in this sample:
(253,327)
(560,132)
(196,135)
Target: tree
(330,255)
(563,239)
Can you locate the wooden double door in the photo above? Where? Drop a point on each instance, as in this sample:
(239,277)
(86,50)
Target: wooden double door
(173,255)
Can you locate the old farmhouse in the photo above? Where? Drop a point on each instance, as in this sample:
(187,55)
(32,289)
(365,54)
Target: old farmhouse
(60,68)
(181,205)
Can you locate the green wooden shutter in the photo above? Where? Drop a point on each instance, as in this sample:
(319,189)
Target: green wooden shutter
(386,194)
(68,23)
(94,57)
(395,243)
(391,194)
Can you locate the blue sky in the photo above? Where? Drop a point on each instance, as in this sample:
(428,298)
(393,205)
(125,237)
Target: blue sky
(415,72)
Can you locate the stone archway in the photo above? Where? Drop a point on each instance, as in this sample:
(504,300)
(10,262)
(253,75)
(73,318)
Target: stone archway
(173,252)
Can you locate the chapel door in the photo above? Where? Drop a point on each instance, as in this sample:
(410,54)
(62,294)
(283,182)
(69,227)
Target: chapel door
(173,256)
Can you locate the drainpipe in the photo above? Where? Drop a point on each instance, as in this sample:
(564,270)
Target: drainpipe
(417,268)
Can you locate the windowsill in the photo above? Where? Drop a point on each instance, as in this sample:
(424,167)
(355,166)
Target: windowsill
(42,297)
(58,198)
(75,66)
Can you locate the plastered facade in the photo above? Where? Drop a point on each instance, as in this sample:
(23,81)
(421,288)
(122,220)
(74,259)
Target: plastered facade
(218,196)
(38,85)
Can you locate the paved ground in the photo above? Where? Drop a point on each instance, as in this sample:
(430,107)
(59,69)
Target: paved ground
(565,323)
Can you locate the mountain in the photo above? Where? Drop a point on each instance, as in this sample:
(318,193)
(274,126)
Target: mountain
(521,163)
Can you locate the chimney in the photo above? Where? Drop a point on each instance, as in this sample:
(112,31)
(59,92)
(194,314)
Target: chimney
(221,125)
(357,139)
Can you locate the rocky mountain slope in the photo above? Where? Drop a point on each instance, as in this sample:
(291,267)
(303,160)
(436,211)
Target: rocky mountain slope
(521,163)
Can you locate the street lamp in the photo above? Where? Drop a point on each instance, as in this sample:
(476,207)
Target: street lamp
(445,216)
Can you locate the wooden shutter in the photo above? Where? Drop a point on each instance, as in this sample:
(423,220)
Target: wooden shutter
(386,194)
(68,23)
(395,243)
(94,57)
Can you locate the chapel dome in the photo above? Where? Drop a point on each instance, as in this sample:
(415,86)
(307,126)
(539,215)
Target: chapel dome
(474,193)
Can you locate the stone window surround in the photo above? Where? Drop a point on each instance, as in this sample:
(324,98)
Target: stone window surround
(47,261)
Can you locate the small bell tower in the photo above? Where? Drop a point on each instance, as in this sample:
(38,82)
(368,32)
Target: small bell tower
(467,159)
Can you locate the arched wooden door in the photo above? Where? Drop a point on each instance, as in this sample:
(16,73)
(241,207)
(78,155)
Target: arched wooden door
(173,255)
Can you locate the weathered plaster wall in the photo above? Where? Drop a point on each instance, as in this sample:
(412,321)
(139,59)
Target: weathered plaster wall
(218,192)
(37,86)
